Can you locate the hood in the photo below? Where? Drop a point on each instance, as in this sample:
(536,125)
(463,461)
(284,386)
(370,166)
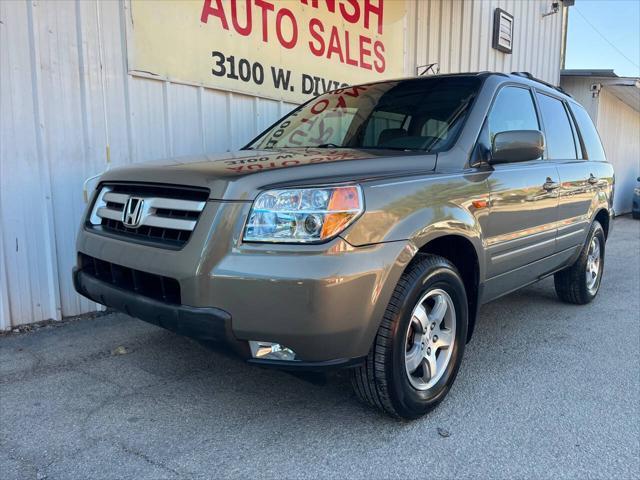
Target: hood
(241,175)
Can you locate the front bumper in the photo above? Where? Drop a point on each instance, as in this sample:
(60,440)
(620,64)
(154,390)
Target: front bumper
(201,323)
(324,302)
(212,324)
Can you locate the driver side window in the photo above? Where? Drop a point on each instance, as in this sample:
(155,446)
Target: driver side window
(513,109)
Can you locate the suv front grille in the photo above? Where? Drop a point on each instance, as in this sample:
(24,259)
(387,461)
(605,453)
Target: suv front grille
(149,285)
(167,214)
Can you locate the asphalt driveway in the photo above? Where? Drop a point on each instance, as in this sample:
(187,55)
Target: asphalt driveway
(546,390)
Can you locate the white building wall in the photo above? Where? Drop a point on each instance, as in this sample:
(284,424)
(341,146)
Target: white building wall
(457,35)
(619,127)
(579,89)
(66,100)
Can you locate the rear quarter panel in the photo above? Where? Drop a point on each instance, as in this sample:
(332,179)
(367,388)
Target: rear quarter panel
(603,199)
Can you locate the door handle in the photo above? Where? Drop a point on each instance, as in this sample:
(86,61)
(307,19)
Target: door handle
(592,179)
(550,185)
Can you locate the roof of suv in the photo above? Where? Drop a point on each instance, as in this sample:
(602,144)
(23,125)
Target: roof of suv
(525,78)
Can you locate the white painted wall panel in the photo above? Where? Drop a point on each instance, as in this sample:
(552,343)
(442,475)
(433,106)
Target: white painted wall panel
(5,321)
(619,127)
(578,88)
(25,194)
(62,108)
(149,118)
(65,96)
(457,35)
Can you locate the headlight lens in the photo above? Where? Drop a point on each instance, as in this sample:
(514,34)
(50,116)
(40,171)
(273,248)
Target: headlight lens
(303,215)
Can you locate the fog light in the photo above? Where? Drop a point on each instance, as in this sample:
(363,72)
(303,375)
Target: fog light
(271,351)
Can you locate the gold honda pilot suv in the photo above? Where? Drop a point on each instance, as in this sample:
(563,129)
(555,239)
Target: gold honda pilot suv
(363,230)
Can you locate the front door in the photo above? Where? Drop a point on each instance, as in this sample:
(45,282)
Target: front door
(521,227)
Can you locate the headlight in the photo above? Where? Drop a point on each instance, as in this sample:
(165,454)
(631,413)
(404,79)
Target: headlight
(303,215)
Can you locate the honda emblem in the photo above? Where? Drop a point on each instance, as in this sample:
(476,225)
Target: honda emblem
(132,213)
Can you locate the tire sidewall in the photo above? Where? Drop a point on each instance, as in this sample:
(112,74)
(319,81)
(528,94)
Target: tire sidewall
(408,399)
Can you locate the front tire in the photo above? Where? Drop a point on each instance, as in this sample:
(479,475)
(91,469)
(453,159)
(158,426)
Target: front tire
(579,284)
(419,346)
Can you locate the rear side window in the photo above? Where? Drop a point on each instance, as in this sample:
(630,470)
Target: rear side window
(557,129)
(513,109)
(589,134)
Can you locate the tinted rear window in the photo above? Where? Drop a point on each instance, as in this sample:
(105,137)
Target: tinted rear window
(589,134)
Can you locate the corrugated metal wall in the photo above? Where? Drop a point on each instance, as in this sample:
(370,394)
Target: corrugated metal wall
(619,127)
(579,89)
(457,34)
(65,95)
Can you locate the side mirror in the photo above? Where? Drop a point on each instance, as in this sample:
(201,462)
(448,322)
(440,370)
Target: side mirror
(517,146)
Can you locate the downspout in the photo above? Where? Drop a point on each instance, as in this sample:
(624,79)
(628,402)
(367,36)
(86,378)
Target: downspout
(85,187)
(565,28)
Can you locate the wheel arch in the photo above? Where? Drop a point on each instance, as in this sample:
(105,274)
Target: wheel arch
(463,252)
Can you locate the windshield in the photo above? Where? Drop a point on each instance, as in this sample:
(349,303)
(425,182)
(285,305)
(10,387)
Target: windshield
(417,114)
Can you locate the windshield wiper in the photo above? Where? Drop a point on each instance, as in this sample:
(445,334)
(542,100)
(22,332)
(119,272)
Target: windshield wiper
(403,149)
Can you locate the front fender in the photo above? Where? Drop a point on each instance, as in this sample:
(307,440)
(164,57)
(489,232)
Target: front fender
(423,208)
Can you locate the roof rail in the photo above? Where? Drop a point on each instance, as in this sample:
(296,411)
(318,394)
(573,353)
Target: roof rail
(529,76)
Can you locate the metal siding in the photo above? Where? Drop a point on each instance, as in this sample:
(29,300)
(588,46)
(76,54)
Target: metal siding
(579,89)
(66,98)
(619,128)
(25,196)
(5,313)
(457,34)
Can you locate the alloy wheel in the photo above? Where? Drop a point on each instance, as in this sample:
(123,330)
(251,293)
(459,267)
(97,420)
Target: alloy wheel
(593,265)
(429,339)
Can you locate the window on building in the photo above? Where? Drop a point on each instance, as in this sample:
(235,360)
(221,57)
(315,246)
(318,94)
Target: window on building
(589,134)
(557,129)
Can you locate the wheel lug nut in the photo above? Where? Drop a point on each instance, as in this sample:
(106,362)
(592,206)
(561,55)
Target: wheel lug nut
(428,351)
(435,338)
(433,325)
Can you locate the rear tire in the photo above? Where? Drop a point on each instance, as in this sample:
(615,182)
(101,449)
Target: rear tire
(419,346)
(579,284)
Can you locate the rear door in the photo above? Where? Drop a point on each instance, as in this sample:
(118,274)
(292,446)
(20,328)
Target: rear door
(578,182)
(524,199)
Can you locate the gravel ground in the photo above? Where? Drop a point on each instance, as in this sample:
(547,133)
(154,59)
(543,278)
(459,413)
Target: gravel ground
(546,390)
